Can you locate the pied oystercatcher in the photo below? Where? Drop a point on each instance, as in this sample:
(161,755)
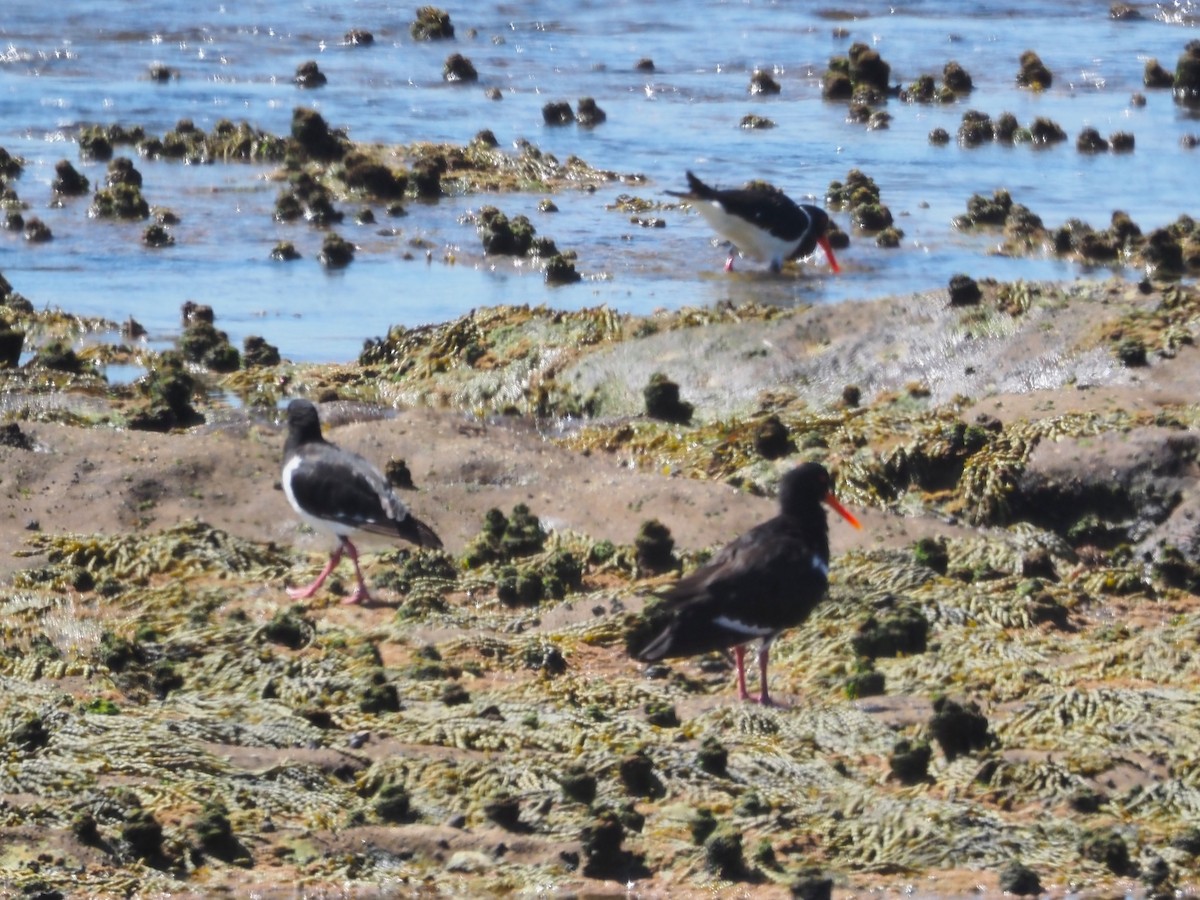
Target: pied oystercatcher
(761,222)
(339,492)
(765,581)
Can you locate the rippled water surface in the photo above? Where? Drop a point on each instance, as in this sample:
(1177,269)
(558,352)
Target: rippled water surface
(74,63)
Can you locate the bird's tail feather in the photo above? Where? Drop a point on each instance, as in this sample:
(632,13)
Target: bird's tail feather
(413,530)
(659,647)
(426,536)
(697,189)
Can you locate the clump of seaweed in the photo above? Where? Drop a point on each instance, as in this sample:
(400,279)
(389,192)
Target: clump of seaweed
(956,81)
(1033,72)
(336,252)
(958,728)
(662,400)
(119,201)
(1186,82)
(861,76)
(904,631)
(203,343)
(431,24)
(859,195)
(458,68)
(68,182)
(168,389)
(505,537)
(309,75)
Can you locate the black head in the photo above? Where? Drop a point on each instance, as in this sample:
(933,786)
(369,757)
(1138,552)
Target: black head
(803,488)
(304,425)
(819,219)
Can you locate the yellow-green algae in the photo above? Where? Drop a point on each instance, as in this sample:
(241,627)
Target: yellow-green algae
(1082,704)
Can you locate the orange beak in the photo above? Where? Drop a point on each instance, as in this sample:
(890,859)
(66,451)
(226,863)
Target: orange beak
(841,510)
(828,248)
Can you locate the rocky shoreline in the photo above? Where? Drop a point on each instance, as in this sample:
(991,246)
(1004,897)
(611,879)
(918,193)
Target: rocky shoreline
(998,695)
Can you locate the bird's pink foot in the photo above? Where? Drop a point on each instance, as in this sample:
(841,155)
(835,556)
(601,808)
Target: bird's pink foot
(302,593)
(729,264)
(766,700)
(360,595)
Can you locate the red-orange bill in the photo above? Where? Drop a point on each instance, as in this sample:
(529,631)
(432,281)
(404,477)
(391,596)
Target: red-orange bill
(842,511)
(828,248)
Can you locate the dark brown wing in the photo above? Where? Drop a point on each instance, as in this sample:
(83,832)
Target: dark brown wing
(767,580)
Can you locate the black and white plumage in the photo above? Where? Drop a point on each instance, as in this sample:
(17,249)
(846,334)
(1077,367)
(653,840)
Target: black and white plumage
(764,582)
(339,492)
(761,222)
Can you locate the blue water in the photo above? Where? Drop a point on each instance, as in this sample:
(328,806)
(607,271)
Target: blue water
(72,63)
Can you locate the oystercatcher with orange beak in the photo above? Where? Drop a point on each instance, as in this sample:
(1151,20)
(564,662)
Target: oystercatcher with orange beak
(766,581)
(761,222)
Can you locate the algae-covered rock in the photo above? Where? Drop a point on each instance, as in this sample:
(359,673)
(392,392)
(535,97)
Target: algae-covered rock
(958,729)
(431,24)
(868,68)
(1109,849)
(558,112)
(336,252)
(1187,74)
(865,682)
(59,356)
(11,166)
(588,114)
(655,547)
(902,632)
(762,82)
(663,402)
(637,774)
(458,68)
(120,201)
(309,75)
(68,182)
(724,855)
(374,178)
(561,270)
(215,836)
(202,342)
(1033,72)
(503,237)
(12,342)
(1018,878)
(143,834)
(909,762)
(601,840)
(578,784)
(712,757)
(313,136)
(393,804)
(257,352)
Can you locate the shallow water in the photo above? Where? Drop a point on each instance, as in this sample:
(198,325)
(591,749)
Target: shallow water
(63,65)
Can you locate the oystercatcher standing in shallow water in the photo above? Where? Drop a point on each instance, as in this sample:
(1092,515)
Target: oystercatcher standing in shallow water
(764,582)
(761,222)
(339,492)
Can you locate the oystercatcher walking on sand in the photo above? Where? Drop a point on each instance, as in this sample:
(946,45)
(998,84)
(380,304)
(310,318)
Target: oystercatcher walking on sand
(339,492)
(764,582)
(761,222)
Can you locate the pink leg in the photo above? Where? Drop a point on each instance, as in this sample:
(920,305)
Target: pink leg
(360,592)
(739,657)
(729,263)
(763,697)
(304,593)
